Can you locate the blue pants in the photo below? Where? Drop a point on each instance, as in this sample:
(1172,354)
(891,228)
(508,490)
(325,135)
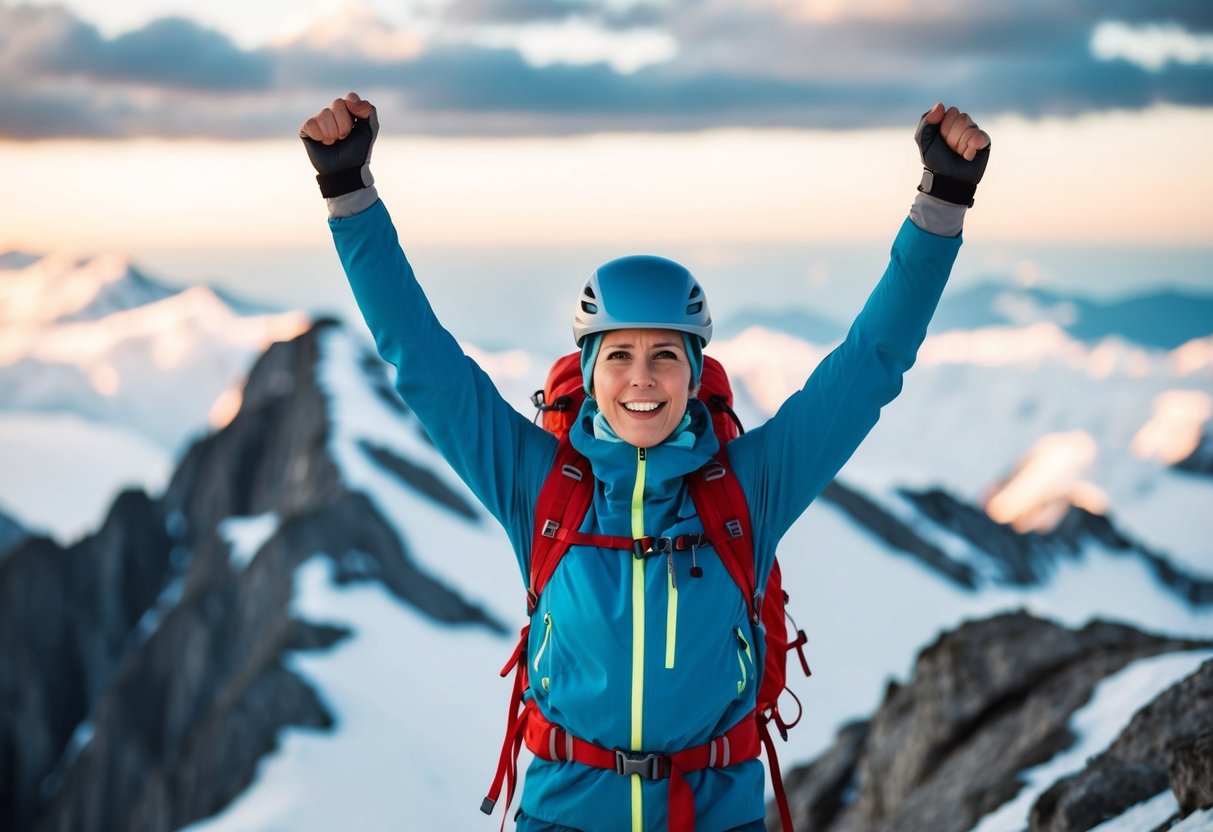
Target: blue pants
(529,824)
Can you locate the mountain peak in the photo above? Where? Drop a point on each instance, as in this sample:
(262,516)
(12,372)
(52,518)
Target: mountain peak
(61,287)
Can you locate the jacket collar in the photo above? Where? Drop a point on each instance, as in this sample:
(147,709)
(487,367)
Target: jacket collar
(614,462)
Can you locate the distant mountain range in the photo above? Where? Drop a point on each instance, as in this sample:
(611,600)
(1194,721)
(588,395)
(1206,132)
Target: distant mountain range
(1161,320)
(98,338)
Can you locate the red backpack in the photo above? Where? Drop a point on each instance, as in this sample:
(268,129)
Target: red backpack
(563,502)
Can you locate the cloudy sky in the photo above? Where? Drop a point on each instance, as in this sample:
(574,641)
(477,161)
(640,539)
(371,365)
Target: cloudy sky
(170,122)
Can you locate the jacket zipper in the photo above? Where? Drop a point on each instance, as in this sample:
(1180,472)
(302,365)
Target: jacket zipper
(743,649)
(638,615)
(545,681)
(671,612)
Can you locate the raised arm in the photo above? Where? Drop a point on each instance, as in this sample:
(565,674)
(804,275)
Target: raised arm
(785,463)
(500,455)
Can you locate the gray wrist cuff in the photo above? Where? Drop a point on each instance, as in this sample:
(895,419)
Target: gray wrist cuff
(352,203)
(936,216)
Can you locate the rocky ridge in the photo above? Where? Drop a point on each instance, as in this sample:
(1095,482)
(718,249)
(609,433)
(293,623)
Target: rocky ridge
(990,700)
(142,671)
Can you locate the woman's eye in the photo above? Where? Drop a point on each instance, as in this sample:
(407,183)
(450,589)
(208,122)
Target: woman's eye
(617,355)
(667,354)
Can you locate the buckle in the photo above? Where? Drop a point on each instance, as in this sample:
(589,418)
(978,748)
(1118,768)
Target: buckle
(648,766)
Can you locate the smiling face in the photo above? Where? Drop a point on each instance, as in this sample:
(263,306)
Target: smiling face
(642,382)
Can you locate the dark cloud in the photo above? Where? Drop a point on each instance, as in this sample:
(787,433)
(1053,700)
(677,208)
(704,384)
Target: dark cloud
(736,65)
(170,52)
(1194,15)
(175,52)
(479,12)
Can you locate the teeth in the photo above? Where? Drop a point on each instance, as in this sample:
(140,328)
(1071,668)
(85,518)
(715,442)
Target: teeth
(642,407)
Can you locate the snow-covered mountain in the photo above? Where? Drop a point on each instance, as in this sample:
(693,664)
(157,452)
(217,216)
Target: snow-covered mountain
(105,375)
(1156,320)
(1160,320)
(314,564)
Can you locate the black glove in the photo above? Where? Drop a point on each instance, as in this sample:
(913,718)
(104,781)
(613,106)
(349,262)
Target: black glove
(345,166)
(946,174)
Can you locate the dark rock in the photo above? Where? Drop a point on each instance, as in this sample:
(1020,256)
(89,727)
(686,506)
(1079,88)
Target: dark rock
(180,671)
(1027,558)
(66,621)
(1018,556)
(818,792)
(422,479)
(897,534)
(1136,766)
(1065,808)
(1192,773)
(272,456)
(986,702)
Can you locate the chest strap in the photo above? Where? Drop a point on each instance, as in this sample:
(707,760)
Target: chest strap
(740,743)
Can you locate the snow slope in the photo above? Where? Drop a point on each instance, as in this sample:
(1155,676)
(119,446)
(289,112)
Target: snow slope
(60,472)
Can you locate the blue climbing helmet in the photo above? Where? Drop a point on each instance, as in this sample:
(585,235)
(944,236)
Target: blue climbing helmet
(642,292)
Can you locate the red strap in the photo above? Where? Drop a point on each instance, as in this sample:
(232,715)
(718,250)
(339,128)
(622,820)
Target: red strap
(563,500)
(507,762)
(798,643)
(740,743)
(722,507)
(781,797)
(604,541)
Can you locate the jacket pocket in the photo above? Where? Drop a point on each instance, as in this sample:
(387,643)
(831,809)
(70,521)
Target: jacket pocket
(745,661)
(541,665)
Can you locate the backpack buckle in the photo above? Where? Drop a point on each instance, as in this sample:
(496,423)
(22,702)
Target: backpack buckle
(713,471)
(549,528)
(733,527)
(648,766)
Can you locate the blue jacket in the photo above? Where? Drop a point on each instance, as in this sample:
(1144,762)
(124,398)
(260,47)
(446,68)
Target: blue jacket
(623,653)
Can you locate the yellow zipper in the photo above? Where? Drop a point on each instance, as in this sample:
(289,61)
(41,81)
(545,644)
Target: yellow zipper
(638,638)
(545,681)
(744,647)
(671,612)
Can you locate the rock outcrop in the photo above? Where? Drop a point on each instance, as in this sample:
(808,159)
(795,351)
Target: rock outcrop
(142,672)
(1166,745)
(986,702)
(1027,559)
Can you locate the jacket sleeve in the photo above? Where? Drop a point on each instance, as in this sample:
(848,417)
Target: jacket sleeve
(785,463)
(502,456)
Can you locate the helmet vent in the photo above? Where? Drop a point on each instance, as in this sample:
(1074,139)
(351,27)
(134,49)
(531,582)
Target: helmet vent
(694,293)
(589,308)
(694,308)
(589,292)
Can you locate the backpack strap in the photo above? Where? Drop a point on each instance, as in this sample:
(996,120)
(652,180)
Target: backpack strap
(515,725)
(739,744)
(722,507)
(563,502)
(781,795)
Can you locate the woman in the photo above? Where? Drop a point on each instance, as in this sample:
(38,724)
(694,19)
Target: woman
(618,657)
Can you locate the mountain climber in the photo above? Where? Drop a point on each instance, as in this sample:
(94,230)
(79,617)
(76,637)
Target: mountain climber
(631,653)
